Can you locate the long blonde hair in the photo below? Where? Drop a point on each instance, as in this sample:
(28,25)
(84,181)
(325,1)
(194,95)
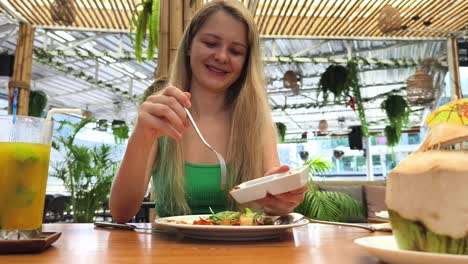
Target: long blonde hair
(247,101)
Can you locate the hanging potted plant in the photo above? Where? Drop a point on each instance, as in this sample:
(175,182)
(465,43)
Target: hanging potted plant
(147,21)
(37,103)
(393,136)
(397,109)
(102,125)
(281,131)
(343,82)
(120,131)
(333,80)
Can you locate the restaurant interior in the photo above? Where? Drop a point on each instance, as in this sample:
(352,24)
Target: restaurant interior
(368,98)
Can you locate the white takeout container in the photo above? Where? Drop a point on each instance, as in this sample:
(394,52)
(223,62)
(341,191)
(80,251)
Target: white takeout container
(273,184)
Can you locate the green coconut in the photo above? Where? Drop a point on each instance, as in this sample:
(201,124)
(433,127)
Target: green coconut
(414,235)
(426,194)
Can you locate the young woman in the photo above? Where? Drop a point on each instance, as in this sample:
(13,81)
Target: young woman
(217,75)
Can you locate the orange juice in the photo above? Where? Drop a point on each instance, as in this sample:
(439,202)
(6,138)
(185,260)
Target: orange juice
(23,179)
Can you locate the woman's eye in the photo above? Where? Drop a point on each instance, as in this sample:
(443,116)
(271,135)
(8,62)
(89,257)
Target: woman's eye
(210,44)
(237,52)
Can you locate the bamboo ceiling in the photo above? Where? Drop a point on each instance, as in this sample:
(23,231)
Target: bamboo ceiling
(327,18)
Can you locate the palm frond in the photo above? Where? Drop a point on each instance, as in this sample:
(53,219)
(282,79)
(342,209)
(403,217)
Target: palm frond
(350,208)
(319,165)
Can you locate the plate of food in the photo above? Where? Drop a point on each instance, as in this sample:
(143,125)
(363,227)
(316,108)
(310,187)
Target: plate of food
(230,225)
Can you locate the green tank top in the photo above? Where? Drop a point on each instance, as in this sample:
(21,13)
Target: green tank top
(202,189)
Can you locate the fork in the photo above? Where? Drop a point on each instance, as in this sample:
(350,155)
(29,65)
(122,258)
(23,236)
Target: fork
(131,227)
(288,219)
(222,163)
(381,227)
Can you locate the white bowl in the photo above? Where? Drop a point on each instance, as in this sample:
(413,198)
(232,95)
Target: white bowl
(273,184)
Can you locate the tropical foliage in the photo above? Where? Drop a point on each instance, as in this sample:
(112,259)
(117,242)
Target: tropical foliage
(37,103)
(333,80)
(147,20)
(87,173)
(120,131)
(397,109)
(281,131)
(343,82)
(328,205)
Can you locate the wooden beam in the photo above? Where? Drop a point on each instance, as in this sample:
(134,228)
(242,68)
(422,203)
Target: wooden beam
(21,78)
(454,71)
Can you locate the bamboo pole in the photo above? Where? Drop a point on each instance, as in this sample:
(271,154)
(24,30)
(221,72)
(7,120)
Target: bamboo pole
(21,78)
(174,17)
(176,27)
(162,68)
(187,13)
(454,71)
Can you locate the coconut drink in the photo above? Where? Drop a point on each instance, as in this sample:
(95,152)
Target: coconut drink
(427,194)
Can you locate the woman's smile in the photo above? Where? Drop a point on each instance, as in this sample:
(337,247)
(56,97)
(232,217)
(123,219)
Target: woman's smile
(217,71)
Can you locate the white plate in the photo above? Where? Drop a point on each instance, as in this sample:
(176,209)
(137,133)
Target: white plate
(273,184)
(386,249)
(382,214)
(233,233)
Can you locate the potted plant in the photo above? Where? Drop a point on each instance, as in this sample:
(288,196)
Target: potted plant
(393,135)
(343,82)
(37,103)
(147,13)
(120,131)
(281,131)
(86,172)
(333,80)
(328,205)
(102,125)
(397,109)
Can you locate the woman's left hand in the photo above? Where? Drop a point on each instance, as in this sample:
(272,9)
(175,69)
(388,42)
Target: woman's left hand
(282,204)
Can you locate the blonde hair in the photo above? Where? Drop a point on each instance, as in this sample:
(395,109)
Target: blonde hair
(247,101)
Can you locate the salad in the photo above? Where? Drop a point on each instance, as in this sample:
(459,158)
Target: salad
(232,218)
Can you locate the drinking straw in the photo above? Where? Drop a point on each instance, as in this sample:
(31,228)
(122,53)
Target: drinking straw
(15,104)
(54,111)
(44,133)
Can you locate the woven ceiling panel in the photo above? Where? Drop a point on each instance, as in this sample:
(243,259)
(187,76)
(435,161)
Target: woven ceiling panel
(328,18)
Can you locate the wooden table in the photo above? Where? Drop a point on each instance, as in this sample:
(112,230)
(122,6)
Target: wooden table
(314,243)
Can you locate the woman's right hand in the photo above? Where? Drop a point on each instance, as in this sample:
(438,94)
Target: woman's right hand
(163,114)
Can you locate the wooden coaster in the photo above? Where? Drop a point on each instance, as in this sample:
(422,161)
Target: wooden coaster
(30,245)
